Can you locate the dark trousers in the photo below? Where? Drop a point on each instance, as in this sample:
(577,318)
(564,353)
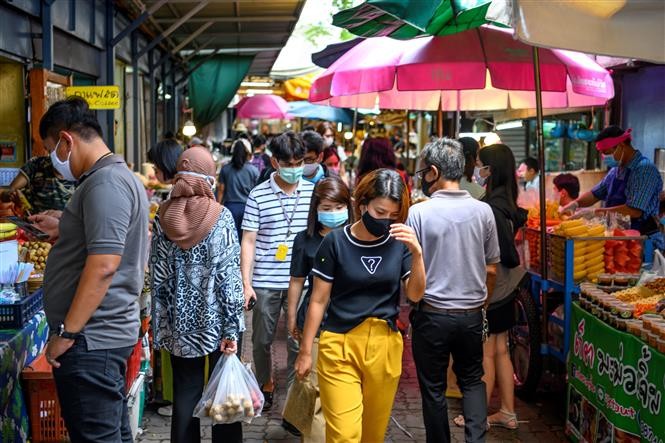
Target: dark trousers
(91,390)
(435,337)
(237,211)
(187,390)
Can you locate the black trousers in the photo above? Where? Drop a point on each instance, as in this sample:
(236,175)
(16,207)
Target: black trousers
(435,337)
(91,390)
(187,390)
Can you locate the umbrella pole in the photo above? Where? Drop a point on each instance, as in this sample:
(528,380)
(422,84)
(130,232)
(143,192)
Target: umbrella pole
(541,163)
(439,121)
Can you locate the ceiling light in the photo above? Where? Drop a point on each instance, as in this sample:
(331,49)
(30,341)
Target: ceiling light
(189,129)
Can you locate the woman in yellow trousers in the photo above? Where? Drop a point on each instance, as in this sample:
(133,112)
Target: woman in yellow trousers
(358,271)
(330,209)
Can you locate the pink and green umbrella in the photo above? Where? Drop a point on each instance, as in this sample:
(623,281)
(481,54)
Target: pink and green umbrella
(479,69)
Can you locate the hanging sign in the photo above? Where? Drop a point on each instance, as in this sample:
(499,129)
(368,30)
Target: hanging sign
(98,97)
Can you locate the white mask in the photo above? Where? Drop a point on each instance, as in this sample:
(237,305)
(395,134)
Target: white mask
(62,167)
(328,141)
(211,180)
(310,169)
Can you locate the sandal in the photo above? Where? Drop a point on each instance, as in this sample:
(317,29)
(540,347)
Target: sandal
(510,421)
(460,423)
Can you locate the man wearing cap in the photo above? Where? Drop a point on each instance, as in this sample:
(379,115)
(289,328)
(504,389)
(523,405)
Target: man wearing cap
(631,187)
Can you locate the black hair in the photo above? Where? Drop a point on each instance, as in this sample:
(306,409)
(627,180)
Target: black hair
(611,132)
(329,188)
(501,161)
(239,154)
(164,155)
(243,135)
(382,183)
(313,141)
(470,148)
(569,183)
(287,146)
(258,141)
(532,163)
(72,114)
(309,128)
(169,135)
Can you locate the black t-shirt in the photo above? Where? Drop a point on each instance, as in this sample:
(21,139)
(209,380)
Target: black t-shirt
(302,262)
(365,278)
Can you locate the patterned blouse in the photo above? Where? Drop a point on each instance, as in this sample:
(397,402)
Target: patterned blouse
(197,293)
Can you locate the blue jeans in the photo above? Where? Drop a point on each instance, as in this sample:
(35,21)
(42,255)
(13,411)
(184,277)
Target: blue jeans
(237,211)
(91,390)
(435,337)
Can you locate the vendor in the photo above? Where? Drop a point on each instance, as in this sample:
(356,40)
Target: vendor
(567,187)
(43,186)
(632,187)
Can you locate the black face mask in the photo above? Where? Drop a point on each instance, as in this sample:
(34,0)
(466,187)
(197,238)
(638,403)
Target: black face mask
(378,227)
(427,186)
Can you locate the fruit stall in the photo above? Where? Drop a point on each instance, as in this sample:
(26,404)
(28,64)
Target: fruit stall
(580,250)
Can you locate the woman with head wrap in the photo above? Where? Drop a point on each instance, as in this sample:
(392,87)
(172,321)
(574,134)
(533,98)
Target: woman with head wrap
(197,289)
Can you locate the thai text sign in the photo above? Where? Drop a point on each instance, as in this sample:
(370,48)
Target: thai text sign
(98,97)
(616,384)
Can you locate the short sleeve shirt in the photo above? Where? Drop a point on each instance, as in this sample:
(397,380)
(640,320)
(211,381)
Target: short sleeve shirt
(238,183)
(366,278)
(302,262)
(45,190)
(458,236)
(276,218)
(108,214)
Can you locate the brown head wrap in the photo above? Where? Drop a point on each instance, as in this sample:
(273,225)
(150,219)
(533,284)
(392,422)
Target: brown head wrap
(189,215)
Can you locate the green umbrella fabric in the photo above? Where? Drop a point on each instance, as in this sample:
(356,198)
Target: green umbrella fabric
(405,19)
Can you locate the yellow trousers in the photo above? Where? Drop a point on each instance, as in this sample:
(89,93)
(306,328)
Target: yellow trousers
(358,375)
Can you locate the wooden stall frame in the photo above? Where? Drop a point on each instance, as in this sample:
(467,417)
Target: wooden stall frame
(38,79)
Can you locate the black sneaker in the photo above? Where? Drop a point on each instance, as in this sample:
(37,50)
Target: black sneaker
(290,428)
(267,400)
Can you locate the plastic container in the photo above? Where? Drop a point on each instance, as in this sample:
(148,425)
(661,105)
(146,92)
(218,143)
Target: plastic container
(46,423)
(634,327)
(16,315)
(660,345)
(605,279)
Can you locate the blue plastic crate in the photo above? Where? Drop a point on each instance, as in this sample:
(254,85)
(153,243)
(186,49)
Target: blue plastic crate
(16,315)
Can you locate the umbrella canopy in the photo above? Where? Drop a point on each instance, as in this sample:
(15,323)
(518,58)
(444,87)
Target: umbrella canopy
(623,28)
(328,55)
(404,19)
(263,106)
(480,69)
(305,109)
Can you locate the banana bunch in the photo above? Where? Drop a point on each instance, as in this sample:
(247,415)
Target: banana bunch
(588,255)
(7,231)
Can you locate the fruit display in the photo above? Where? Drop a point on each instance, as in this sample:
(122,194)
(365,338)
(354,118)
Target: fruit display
(588,255)
(37,253)
(7,231)
(234,408)
(551,215)
(623,255)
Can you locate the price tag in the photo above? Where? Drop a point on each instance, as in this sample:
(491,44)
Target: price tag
(282,252)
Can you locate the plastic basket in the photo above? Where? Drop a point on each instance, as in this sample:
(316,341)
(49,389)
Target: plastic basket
(46,423)
(133,365)
(16,315)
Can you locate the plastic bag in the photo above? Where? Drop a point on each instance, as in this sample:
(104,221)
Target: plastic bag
(300,405)
(658,264)
(232,393)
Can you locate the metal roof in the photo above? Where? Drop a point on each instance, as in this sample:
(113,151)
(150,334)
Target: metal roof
(201,27)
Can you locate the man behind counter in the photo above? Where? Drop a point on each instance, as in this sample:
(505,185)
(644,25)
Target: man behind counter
(568,188)
(632,187)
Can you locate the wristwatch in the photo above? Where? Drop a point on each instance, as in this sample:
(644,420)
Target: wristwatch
(64,334)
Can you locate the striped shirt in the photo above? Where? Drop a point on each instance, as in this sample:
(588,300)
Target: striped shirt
(268,212)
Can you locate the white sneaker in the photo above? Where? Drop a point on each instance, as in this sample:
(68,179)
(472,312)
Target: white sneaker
(165,411)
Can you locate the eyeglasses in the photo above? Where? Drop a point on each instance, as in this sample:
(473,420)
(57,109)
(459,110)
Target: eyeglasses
(421,173)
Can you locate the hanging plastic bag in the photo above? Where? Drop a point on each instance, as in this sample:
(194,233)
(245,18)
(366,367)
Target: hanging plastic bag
(658,264)
(300,405)
(232,394)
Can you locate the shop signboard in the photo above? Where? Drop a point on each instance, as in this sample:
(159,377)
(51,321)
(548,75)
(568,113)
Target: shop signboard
(98,97)
(616,385)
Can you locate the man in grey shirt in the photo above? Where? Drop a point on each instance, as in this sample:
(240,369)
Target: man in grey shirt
(459,241)
(94,274)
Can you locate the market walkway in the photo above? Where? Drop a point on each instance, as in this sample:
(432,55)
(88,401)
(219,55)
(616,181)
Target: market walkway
(539,422)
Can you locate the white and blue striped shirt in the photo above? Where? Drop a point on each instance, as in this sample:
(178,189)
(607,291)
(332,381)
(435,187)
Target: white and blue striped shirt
(265,215)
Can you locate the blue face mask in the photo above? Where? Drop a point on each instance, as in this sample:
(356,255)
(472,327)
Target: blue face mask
(291,175)
(333,219)
(609,161)
(319,175)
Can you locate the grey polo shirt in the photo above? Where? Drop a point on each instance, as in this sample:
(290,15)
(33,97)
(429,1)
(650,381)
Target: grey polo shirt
(108,214)
(458,237)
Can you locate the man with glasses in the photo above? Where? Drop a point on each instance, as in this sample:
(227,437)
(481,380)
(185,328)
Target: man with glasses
(94,274)
(276,211)
(460,244)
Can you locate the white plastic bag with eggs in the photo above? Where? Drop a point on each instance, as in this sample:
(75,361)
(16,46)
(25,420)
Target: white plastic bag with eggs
(232,394)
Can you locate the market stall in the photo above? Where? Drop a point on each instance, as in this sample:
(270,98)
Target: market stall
(616,366)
